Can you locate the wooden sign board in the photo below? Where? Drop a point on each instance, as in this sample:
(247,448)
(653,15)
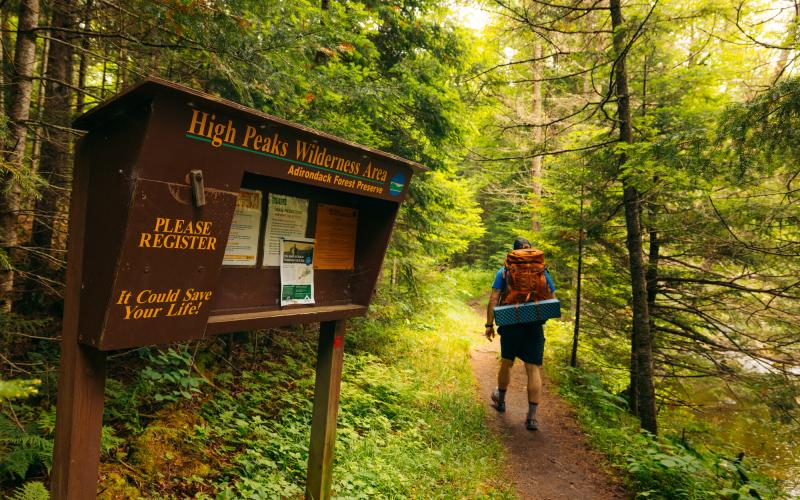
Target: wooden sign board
(193,216)
(159,265)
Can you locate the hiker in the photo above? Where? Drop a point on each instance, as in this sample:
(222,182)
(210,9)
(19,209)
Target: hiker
(524,341)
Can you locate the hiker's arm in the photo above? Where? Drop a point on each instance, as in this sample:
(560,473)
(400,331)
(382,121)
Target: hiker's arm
(493,299)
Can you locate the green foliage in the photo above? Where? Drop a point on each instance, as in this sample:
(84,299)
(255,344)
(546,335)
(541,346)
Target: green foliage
(763,131)
(385,74)
(171,374)
(669,467)
(23,448)
(18,389)
(12,324)
(109,441)
(5,262)
(714,157)
(665,467)
(33,490)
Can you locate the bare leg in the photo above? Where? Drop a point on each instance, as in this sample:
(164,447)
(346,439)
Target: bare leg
(534,382)
(504,375)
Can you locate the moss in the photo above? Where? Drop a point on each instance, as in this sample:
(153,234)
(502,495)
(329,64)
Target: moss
(165,450)
(114,485)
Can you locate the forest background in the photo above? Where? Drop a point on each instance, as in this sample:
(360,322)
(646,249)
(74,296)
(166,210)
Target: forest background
(650,148)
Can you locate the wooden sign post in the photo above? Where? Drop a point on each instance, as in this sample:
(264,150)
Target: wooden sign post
(193,216)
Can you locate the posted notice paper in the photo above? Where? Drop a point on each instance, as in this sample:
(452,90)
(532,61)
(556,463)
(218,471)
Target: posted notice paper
(242,247)
(297,271)
(287,217)
(335,237)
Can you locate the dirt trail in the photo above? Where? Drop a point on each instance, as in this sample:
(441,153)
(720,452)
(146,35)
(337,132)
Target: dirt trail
(552,463)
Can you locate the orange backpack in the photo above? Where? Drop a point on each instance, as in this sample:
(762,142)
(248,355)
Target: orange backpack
(525,279)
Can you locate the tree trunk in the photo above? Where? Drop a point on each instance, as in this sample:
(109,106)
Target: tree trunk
(652,218)
(652,262)
(536,137)
(36,128)
(84,54)
(4,27)
(642,341)
(54,163)
(5,39)
(14,155)
(121,53)
(573,360)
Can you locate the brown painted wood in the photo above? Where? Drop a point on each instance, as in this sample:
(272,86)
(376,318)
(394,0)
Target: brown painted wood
(79,409)
(140,150)
(330,354)
(281,317)
(146,89)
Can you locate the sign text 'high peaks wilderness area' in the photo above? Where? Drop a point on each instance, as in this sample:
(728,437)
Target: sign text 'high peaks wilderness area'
(306,159)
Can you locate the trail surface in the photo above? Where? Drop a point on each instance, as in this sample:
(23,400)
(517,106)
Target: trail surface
(552,463)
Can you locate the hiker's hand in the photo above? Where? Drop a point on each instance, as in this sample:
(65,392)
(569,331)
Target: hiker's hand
(489,333)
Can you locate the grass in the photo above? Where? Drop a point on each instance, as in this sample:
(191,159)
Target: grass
(426,389)
(409,423)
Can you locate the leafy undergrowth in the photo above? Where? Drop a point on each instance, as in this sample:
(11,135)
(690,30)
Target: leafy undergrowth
(666,467)
(237,425)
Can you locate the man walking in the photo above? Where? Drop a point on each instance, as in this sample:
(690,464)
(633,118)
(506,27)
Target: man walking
(524,341)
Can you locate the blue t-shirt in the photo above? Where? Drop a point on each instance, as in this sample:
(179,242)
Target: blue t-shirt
(500,280)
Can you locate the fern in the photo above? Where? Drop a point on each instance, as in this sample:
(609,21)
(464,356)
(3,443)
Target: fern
(109,441)
(22,449)
(33,490)
(47,421)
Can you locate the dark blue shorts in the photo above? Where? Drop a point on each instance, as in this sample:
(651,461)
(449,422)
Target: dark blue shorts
(524,341)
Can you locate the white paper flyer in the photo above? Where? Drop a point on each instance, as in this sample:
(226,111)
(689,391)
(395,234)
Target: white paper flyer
(287,217)
(297,271)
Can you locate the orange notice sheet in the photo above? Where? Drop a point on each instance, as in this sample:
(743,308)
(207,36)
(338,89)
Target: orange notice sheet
(335,237)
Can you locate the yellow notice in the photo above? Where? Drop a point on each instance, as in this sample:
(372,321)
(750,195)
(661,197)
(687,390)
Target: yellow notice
(335,237)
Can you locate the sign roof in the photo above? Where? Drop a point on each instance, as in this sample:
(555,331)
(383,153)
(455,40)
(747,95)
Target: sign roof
(147,89)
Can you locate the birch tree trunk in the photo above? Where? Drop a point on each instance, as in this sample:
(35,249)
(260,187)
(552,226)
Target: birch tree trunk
(14,150)
(642,340)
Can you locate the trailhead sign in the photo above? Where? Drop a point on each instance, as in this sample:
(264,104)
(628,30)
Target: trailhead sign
(166,268)
(193,216)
